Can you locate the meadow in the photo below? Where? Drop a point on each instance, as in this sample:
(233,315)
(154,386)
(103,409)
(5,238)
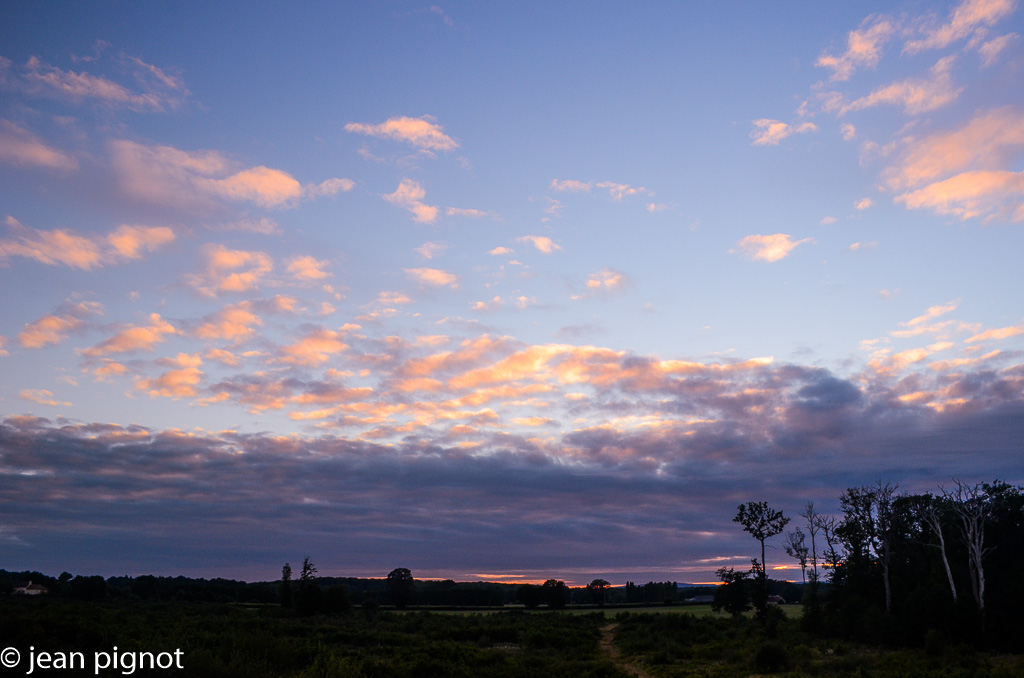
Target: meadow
(220,639)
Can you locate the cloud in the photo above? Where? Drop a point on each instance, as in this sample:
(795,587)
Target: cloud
(21,148)
(849,131)
(970,195)
(487,306)
(160,92)
(409,195)
(170,177)
(570,185)
(179,382)
(315,348)
(328,187)
(233,322)
(864,47)
(434,277)
(422,133)
(65,247)
(863,204)
(469,213)
(969,18)
(621,191)
(54,328)
(227,270)
(134,338)
(604,281)
(991,50)
(989,140)
(307,268)
(3,351)
(541,242)
(997,334)
(501,251)
(769,132)
(768,247)
(616,190)
(965,172)
(429,250)
(915,95)
(42,397)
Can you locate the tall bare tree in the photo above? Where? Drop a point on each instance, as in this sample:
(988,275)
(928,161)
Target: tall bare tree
(933,518)
(811,516)
(971,505)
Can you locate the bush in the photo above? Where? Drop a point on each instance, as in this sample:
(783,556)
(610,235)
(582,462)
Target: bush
(771,657)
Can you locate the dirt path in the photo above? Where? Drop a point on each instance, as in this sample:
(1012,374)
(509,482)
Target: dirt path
(608,649)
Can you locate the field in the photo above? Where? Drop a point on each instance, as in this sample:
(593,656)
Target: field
(222,640)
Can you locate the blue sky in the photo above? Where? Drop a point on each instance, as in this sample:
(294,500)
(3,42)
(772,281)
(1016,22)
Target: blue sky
(524,291)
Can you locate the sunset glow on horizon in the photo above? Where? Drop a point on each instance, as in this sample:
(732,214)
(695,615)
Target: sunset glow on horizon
(541,289)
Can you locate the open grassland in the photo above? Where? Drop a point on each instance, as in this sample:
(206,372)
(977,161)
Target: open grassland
(222,640)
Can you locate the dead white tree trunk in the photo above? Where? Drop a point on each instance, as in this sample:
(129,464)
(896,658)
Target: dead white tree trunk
(934,520)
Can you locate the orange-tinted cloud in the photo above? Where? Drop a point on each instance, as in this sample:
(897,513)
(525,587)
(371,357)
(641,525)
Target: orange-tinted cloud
(307,268)
(234,322)
(134,338)
(769,132)
(864,48)
(229,270)
(541,242)
(52,329)
(64,247)
(409,195)
(422,133)
(41,396)
(179,382)
(314,349)
(768,247)
(969,18)
(915,95)
(434,277)
(167,176)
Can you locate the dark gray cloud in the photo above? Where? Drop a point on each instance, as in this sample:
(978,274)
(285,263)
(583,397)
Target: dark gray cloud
(644,503)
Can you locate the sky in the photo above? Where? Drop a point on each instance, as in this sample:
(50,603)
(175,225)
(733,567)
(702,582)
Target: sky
(497,291)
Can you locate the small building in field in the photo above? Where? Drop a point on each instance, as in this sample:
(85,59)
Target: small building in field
(776,600)
(29,589)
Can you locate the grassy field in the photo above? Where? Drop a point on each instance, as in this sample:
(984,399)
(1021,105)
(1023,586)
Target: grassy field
(223,640)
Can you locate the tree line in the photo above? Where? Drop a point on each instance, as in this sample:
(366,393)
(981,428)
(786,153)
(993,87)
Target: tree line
(897,567)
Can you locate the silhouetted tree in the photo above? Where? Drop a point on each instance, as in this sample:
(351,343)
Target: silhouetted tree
(733,595)
(530,595)
(555,593)
(284,589)
(597,589)
(401,586)
(309,589)
(762,522)
(796,547)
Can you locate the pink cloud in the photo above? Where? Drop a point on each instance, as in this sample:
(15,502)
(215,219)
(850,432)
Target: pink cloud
(307,268)
(315,348)
(20,147)
(768,247)
(769,132)
(52,329)
(234,322)
(134,338)
(541,242)
(422,133)
(914,95)
(432,276)
(229,270)
(409,195)
(969,18)
(179,382)
(864,47)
